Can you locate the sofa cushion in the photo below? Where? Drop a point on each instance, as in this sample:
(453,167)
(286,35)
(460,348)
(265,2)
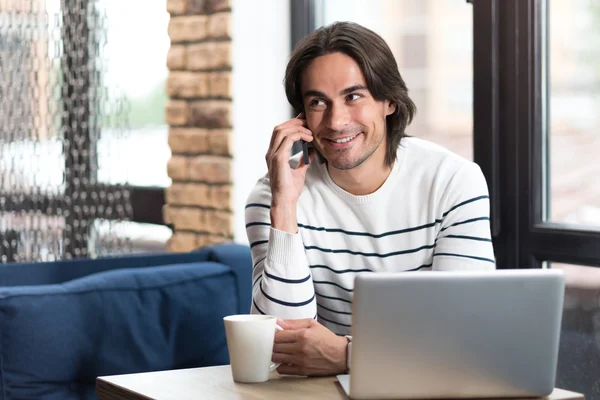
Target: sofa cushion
(239,258)
(46,273)
(56,339)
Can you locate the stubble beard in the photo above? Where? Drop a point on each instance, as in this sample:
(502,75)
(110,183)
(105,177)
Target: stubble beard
(344,164)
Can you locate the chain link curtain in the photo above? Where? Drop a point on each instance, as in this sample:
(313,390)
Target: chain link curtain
(60,128)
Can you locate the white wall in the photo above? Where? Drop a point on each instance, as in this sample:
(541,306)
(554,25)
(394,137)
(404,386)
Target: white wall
(261,46)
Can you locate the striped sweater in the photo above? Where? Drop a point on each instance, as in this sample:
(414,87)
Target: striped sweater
(432,213)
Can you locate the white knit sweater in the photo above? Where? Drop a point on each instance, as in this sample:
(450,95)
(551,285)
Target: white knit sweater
(432,213)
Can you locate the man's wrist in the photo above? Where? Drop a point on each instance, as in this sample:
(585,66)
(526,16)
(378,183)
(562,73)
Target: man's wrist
(344,354)
(283,218)
(348,352)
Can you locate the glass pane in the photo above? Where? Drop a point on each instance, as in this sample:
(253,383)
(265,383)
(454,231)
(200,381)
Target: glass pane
(432,41)
(31,148)
(31,236)
(574,78)
(135,238)
(579,356)
(134,144)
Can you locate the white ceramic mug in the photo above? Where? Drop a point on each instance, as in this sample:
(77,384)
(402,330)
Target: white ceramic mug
(250,340)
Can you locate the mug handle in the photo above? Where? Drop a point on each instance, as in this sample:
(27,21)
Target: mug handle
(274,366)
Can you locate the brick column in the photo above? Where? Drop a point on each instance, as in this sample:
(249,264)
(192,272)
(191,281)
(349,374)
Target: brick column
(199,113)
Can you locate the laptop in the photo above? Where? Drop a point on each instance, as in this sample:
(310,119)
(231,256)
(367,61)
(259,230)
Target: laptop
(425,335)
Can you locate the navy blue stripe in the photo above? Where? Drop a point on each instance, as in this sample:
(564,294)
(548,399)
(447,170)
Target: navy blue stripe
(333,322)
(257,279)
(316,316)
(334,284)
(333,298)
(373,235)
(466,237)
(397,232)
(258,309)
(341,271)
(258,262)
(359,253)
(468,221)
(418,268)
(258,243)
(287,280)
(465,202)
(364,270)
(465,256)
(334,311)
(249,224)
(285,303)
(257,205)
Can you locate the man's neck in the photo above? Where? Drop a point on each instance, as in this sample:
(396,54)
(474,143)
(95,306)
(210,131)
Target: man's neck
(361,180)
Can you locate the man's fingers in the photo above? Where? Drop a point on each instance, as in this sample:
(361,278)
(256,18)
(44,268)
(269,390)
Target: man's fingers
(290,370)
(286,348)
(296,323)
(284,358)
(290,123)
(297,132)
(287,336)
(284,143)
(294,122)
(283,152)
(311,157)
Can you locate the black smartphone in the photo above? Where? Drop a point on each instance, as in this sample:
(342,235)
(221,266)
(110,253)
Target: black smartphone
(304,144)
(305,152)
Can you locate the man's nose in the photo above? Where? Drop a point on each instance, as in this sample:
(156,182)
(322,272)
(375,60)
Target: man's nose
(339,117)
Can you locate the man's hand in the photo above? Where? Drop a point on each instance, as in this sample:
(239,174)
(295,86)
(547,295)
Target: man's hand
(286,182)
(307,348)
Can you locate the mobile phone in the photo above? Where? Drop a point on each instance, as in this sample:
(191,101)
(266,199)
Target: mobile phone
(304,144)
(305,152)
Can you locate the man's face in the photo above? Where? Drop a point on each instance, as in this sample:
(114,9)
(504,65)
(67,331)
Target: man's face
(348,124)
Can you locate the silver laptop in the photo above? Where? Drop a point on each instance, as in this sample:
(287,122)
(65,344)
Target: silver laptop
(424,335)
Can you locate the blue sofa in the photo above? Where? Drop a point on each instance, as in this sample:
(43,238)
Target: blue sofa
(62,324)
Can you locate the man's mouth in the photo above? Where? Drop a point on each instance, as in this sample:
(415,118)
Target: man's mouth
(344,140)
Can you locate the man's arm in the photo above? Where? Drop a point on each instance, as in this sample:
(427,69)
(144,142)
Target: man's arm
(282,283)
(464,240)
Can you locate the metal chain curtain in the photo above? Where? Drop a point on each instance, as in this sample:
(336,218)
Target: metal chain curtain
(60,128)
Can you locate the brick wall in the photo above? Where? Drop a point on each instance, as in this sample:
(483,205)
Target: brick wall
(199,114)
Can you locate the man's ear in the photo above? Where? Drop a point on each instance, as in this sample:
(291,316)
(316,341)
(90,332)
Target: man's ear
(390,107)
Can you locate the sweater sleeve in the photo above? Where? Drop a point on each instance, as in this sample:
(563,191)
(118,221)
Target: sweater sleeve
(464,240)
(282,282)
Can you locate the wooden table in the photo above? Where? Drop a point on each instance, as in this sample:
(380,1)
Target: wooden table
(216,383)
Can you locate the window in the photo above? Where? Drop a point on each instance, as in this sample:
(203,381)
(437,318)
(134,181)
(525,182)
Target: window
(527,151)
(432,43)
(514,132)
(74,138)
(136,73)
(534,132)
(136,154)
(574,122)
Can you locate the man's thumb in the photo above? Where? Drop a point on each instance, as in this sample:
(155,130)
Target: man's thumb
(295,323)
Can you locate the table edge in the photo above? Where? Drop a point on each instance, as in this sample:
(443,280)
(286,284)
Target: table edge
(111,389)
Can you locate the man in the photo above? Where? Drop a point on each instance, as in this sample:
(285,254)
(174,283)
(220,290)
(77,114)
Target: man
(372,200)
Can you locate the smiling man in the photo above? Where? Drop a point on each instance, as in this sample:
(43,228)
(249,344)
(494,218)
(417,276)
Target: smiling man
(371,199)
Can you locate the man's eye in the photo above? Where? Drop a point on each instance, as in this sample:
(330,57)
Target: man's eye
(353,96)
(316,103)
